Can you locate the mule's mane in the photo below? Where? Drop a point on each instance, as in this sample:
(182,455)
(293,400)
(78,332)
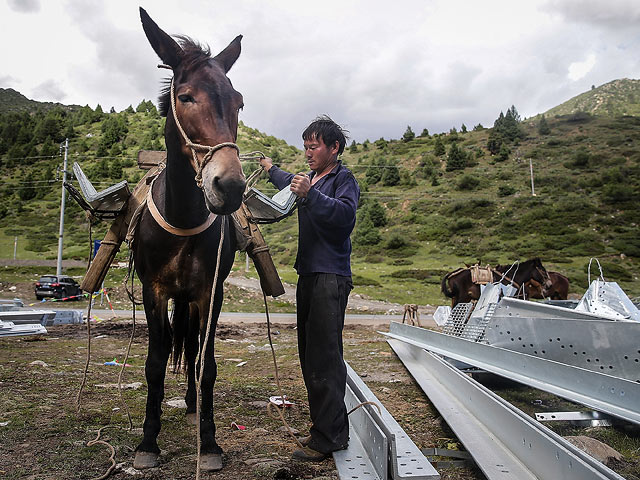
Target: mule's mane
(194,55)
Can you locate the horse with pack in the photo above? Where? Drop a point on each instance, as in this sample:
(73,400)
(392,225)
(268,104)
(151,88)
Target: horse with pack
(463,285)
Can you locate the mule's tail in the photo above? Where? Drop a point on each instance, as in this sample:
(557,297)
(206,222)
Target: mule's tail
(180,330)
(444,287)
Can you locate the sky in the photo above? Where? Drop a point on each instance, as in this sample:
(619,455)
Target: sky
(374,66)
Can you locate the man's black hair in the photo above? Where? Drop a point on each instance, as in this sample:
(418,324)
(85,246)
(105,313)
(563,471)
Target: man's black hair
(329,131)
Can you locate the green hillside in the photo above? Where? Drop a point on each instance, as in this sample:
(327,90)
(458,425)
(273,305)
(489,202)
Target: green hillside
(430,203)
(618,97)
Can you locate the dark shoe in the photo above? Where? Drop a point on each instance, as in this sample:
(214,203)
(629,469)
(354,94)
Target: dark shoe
(304,441)
(308,454)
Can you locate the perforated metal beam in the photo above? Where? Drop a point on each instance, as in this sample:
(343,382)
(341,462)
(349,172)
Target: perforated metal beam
(504,442)
(406,461)
(612,395)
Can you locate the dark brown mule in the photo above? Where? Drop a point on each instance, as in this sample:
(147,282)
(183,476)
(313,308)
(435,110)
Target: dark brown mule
(559,289)
(181,266)
(459,287)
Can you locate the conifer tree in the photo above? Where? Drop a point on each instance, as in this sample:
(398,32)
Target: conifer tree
(408,135)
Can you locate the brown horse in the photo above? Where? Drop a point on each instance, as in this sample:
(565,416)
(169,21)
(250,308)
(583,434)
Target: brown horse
(460,288)
(179,234)
(559,289)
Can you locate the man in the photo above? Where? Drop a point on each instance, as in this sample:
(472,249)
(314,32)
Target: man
(328,198)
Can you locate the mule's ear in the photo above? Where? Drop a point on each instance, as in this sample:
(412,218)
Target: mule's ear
(229,55)
(166,47)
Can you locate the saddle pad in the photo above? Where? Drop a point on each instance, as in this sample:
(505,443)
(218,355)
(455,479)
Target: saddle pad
(481,275)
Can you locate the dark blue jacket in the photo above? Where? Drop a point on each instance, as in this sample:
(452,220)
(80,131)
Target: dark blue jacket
(325,221)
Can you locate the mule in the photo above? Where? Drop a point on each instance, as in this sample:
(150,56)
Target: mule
(459,287)
(179,232)
(559,289)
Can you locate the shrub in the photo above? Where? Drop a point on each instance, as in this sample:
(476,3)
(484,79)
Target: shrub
(396,241)
(506,190)
(468,182)
(461,224)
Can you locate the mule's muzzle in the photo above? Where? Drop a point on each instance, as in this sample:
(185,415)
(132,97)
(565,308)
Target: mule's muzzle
(225,195)
(223,182)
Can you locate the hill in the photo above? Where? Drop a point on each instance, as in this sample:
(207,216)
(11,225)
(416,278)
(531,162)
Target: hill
(618,97)
(13,101)
(429,204)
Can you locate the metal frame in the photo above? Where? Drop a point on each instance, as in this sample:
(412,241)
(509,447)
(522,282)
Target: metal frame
(611,395)
(104,204)
(504,442)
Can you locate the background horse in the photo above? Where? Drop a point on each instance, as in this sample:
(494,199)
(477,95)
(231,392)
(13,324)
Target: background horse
(460,288)
(179,232)
(559,289)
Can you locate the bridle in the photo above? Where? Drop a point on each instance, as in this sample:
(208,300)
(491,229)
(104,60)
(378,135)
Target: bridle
(196,147)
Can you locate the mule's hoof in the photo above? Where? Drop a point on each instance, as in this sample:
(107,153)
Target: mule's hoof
(191,418)
(145,460)
(210,462)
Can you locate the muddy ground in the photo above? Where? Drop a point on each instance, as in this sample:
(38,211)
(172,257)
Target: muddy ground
(42,436)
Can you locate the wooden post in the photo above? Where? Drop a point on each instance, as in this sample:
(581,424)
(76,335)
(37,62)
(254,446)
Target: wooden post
(259,253)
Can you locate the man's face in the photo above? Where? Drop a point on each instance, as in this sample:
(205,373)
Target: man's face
(319,156)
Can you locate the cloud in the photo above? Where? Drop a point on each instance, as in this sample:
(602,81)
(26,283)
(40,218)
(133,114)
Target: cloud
(24,6)
(578,70)
(49,89)
(612,14)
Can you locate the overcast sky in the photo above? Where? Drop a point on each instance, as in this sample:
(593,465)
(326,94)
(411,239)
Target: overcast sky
(373,66)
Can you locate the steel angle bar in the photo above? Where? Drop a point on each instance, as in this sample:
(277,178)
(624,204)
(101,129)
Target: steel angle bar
(405,458)
(592,419)
(366,457)
(504,442)
(612,395)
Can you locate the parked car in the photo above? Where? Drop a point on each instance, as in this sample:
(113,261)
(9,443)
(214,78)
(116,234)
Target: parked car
(57,287)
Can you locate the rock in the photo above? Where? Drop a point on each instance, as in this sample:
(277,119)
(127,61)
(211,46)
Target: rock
(286,430)
(39,363)
(177,402)
(598,450)
(258,404)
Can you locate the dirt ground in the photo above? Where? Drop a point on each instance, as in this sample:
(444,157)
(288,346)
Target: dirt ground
(44,437)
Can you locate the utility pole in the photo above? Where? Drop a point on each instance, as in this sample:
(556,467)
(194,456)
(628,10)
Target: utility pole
(533,190)
(62,205)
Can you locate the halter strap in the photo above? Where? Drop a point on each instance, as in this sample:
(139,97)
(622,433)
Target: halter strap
(181,232)
(197,166)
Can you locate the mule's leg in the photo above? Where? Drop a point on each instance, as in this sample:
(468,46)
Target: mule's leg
(155,368)
(210,451)
(191,353)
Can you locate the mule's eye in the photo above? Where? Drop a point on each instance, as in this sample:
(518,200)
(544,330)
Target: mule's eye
(184,98)
(241,107)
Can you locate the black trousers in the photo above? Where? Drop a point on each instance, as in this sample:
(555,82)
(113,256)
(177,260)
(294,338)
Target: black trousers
(321,304)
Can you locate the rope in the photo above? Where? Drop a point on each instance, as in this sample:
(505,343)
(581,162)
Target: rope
(206,339)
(271,406)
(589,270)
(112,458)
(197,166)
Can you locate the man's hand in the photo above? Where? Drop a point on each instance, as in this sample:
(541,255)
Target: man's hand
(266,163)
(300,185)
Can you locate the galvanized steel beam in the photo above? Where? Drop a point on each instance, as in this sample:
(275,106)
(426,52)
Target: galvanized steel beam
(504,442)
(366,457)
(405,458)
(600,345)
(611,395)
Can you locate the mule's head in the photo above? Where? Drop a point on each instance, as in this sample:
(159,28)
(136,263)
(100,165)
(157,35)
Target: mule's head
(206,106)
(540,274)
